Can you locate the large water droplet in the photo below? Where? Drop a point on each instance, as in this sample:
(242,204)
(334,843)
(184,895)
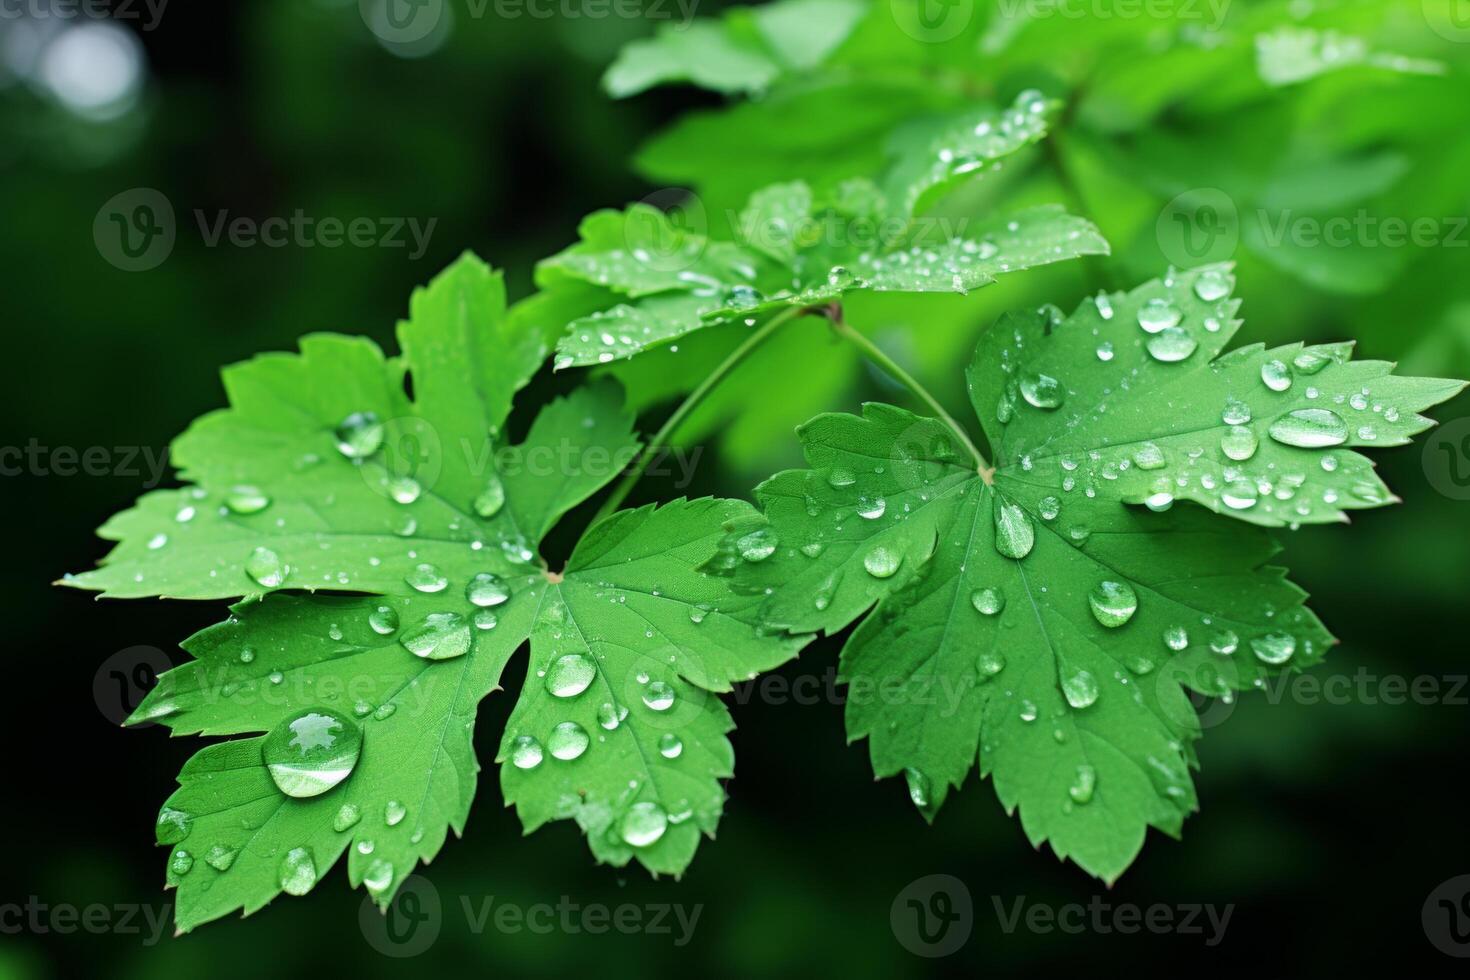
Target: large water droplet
(1176,638)
(1083,784)
(347,817)
(441,636)
(384,620)
(1224,642)
(659,696)
(525,752)
(610,716)
(1014,533)
(1239,495)
(181,862)
(1148,456)
(404,489)
(246,500)
(1276,375)
(1113,603)
(1309,428)
(221,856)
(297,873)
(988,601)
(491,499)
(1079,688)
(1042,390)
(379,877)
(1212,285)
(568,741)
(758,545)
(670,746)
(1171,345)
(266,569)
(487,589)
(394,812)
(312,752)
(359,435)
(427,578)
(871,508)
(644,824)
(1239,443)
(1236,412)
(570,675)
(1158,314)
(1274,648)
(882,562)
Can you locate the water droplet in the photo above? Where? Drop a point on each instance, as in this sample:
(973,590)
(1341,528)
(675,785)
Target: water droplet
(1049,508)
(1274,648)
(1083,784)
(644,824)
(1276,375)
(1239,495)
(1080,689)
(359,436)
(181,863)
(384,620)
(670,746)
(1212,285)
(1029,712)
(570,675)
(525,752)
(427,578)
(871,508)
(246,500)
(1148,456)
(1171,345)
(1224,642)
(1310,428)
(378,877)
(491,499)
(839,477)
(220,857)
(394,812)
(989,664)
(610,716)
(920,790)
(568,741)
(347,817)
(1311,361)
(758,545)
(659,696)
(1239,443)
(988,601)
(266,569)
(486,620)
(1329,463)
(1105,351)
(1176,638)
(1014,534)
(441,636)
(486,589)
(1042,390)
(297,873)
(1113,603)
(312,752)
(1236,412)
(882,562)
(1158,314)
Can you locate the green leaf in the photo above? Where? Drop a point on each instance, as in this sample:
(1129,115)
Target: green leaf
(324,475)
(1027,617)
(1289,55)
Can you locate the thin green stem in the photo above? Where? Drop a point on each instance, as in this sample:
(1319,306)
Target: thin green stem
(662,437)
(873,353)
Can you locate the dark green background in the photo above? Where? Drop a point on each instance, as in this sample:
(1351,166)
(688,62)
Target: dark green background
(1327,824)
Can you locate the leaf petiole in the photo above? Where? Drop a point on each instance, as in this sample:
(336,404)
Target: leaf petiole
(873,353)
(687,407)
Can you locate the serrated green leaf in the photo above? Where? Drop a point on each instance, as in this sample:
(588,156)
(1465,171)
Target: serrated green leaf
(325,475)
(1023,615)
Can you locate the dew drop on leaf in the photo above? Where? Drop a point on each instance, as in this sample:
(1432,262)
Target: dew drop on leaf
(441,636)
(1171,345)
(1276,375)
(882,562)
(1042,391)
(568,741)
(359,435)
(491,498)
(311,752)
(1309,428)
(1112,603)
(426,578)
(1274,648)
(525,752)
(1239,443)
(383,620)
(297,872)
(266,569)
(570,675)
(1158,314)
(988,601)
(659,696)
(644,824)
(1014,533)
(487,589)
(670,746)
(1079,687)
